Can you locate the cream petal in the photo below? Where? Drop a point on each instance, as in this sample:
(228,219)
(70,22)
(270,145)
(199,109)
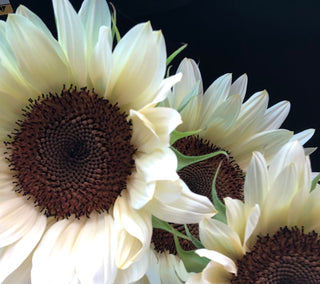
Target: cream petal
(17,217)
(54,259)
(168,191)
(303,136)
(188,208)
(139,67)
(251,227)
(22,274)
(239,87)
(161,164)
(12,256)
(32,17)
(96,249)
(196,279)
(134,272)
(71,36)
(256,184)
(100,64)
(249,119)
(215,235)
(190,76)
(226,114)
(236,215)
(140,192)
(291,152)
(217,257)
(216,94)
(134,231)
(267,142)
(44,75)
(275,116)
(94,14)
(154,127)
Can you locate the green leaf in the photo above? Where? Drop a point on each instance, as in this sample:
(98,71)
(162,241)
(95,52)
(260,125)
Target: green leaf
(193,93)
(176,135)
(174,54)
(184,161)
(115,31)
(159,224)
(221,208)
(192,261)
(194,240)
(314,182)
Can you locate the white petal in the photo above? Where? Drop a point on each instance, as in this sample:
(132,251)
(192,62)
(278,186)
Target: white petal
(32,17)
(100,64)
(236,215)
(275,116)
(252,222)
(22,274)
(12,256)
(140,192)
(239,86)
(303,136)
(188,208)
(256,183)
(95,249)
(71,37)
(190,76)
(134,232)
(161,164)
(54,258)
(139,67)
(215,235)
(152,127)
(225,261)
(44,67)
(94,14)
(292,152)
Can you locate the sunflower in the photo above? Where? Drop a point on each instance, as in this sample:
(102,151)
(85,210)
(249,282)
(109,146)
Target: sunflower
(225,122)
(273,236)
(85,159)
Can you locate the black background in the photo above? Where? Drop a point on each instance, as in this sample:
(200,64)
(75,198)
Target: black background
(277,43)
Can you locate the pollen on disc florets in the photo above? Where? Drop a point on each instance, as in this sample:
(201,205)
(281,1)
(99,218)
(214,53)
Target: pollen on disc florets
(199,176)
(72,153)
(289,256)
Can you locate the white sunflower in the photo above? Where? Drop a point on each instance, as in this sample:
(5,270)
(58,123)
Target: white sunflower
(273,236)
(86,159)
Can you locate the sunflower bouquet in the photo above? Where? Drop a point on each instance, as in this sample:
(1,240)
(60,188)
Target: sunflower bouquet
(115,171)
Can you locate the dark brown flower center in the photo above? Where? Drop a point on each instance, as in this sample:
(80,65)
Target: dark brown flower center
(289,256)
(164,241)
(72,153)
(199,176)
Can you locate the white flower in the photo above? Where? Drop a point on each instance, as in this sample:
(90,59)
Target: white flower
(225,120)
(90,157)
(273,234)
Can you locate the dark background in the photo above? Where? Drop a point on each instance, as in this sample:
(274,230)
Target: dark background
(277,43)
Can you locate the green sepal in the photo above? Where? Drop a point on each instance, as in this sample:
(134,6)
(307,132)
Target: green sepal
(194,240)
(193,93)
(315,182)
(221,208)
(184,161)
(176,135)
(192,261)
(159,224)
(174,54)
(115,31)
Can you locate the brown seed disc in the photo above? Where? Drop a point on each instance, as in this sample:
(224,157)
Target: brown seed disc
(72,153)
(289,256)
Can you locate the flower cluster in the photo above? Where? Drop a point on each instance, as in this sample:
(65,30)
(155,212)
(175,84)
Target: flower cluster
(114,171)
